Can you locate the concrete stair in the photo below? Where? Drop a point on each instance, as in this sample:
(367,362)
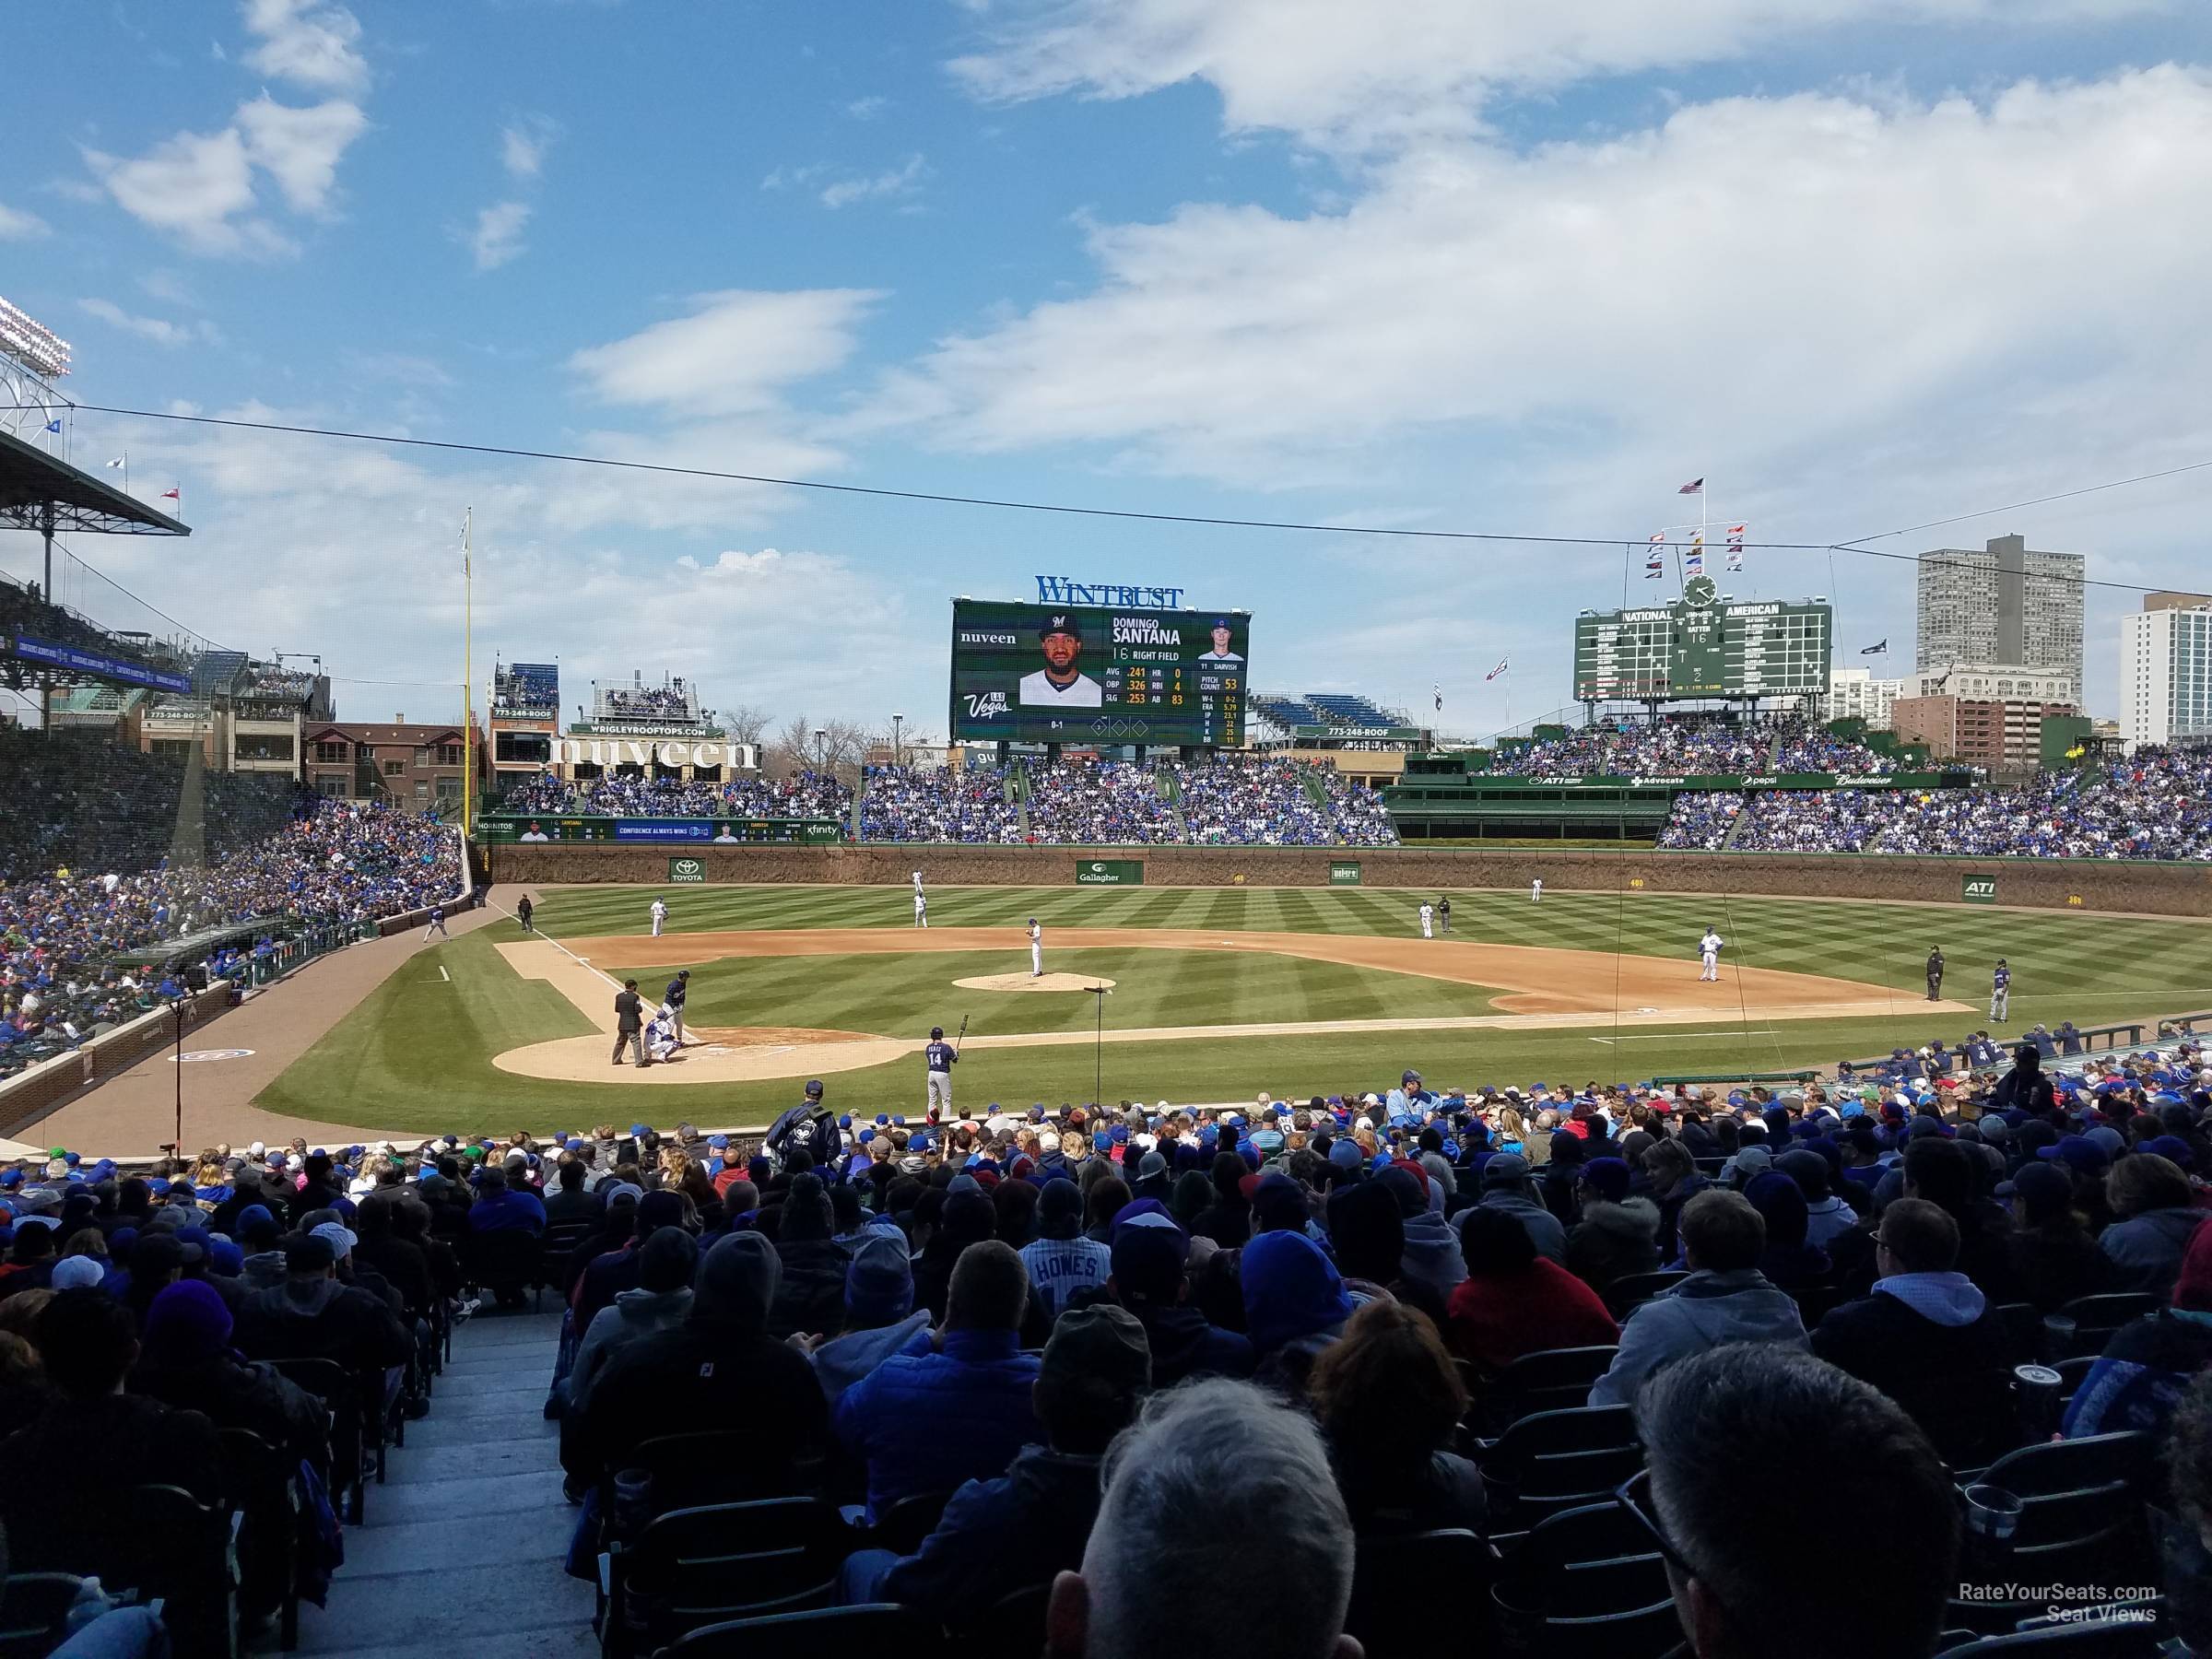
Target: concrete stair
(463,1544)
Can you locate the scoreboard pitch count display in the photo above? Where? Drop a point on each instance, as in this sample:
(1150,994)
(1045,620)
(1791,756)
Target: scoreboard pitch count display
(1098,674)
(1704,646)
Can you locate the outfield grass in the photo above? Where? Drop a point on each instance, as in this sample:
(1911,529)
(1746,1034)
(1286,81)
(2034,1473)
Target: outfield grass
(416,1054)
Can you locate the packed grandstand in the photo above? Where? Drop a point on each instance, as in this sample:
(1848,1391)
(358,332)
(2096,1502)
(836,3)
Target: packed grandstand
(91,877)
(1549,1339)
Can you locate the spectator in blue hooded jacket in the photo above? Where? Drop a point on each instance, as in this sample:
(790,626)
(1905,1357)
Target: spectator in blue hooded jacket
(2155,1216)
(880,1316)
(926,1422)
(1295,1305)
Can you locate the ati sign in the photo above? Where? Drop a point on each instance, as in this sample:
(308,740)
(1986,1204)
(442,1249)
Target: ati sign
(686,869)
(1344,871)
(1110,872)
(1979,890)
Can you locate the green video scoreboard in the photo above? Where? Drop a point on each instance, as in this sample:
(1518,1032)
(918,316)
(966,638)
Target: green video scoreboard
(1702,645)
(1098,674)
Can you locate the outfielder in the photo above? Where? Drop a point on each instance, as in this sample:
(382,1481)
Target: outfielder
(1036,949)
(921,909)
(1709,954)
(1427,920)
(673,1004)
(437,927)
(1536,890)
(2000,992)
(940,1057)
(660,915)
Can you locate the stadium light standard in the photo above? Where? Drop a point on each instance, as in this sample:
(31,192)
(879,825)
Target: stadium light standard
(822,738)
(898,721)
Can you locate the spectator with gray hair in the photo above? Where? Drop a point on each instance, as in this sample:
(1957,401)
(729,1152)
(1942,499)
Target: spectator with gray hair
(1208,1468)
(1735,1438)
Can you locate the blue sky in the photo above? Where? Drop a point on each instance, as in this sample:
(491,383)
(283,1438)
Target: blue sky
(1430,263)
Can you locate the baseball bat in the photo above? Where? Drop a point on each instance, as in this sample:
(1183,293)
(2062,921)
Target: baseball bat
(956,1040)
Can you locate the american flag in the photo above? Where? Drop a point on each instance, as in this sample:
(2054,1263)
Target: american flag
(1695,487)
(1503,663)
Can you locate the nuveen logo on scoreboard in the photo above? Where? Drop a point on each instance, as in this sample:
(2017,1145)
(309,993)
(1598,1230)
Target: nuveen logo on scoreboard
(1979,890)
(1111,872)
(686,869)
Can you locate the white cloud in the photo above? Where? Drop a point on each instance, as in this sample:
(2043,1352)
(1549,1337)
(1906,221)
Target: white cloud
(1759,278)
(16,225)
(868,109)
(191,186)
(900,181)
(523,143)
(733,354)
(300,147)
(313,45)
(1389,68)
(497,236)
(160,330)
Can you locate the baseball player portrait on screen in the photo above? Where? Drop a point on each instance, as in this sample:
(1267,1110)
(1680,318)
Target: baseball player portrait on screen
(1060,682)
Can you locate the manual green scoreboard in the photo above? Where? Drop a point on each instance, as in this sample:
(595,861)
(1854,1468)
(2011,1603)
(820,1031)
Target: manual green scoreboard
(1704,645)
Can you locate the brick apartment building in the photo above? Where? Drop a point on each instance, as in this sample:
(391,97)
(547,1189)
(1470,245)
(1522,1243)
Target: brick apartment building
(2001,733)
(418,767)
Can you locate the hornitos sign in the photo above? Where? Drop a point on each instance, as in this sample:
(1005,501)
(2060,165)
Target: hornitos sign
(624,751)
(1063,590)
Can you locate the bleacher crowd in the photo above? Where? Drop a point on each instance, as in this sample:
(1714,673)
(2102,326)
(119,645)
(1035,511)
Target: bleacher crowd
(803,794)
(1691,747)
(971,804)
(1565,1368)
(323,864)
(2155,804)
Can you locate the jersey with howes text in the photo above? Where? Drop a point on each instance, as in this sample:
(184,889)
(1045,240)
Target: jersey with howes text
(941,1057)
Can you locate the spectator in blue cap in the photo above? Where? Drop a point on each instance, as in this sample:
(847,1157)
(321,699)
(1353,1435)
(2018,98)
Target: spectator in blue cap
(1295,1304)
(880,1317)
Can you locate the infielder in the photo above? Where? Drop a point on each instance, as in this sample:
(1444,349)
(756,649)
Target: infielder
(2000,992)
(1036,949)
(940,1057)
(437,927)
(679,988)
(1536,890)
(1709,954)
(921,909)
(1427,920)
(660,915)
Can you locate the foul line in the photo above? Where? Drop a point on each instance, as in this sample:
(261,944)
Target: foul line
(537,933)
(1682,1036)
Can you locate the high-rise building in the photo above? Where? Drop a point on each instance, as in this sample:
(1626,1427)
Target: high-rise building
(2004,603)
(2166,674)
(1856,694)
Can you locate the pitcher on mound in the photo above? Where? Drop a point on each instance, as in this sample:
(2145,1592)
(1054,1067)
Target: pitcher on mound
(1036,949)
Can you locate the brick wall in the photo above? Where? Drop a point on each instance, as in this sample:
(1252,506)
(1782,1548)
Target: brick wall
(32,1095)
(2040,884)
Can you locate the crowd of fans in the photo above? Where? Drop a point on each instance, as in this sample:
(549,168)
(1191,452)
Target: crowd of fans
(1095,1353)
(325,863)
(1257,801)
(1099,801)
(1692,747)
(671,702)
(76,798)
(2157,804)
(973,804)
(808,794)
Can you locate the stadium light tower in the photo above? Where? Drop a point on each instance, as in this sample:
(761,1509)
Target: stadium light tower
(33,356)
(898,722)
(821,737)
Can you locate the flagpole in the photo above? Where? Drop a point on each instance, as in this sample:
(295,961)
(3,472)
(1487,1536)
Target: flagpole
(468,723)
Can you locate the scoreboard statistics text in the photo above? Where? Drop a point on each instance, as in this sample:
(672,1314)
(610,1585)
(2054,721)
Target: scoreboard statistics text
(1098,674)
(1774,648)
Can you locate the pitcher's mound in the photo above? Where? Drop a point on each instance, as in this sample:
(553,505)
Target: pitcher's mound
(1023,982)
